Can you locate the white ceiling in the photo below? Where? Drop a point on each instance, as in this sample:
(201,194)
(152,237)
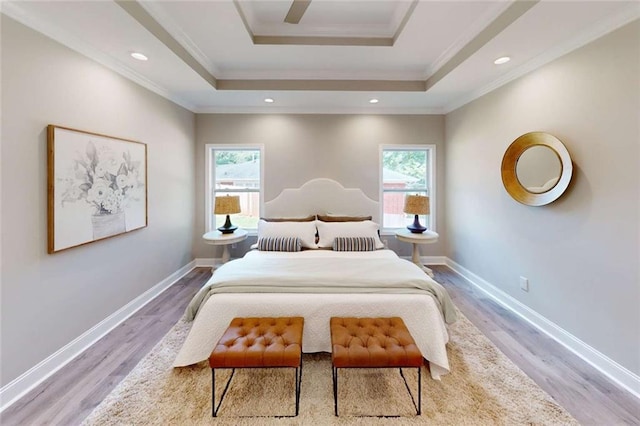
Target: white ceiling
(435,55)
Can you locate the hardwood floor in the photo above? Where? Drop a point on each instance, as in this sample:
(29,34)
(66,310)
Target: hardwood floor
(587,394)
(70,395)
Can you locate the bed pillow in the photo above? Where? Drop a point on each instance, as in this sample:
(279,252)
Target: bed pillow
(306,231)
(290,219)
(279,244)
(329,231)
(336,218)
(354,244)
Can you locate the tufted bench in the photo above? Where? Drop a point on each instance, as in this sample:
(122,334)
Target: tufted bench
(258,343)
(373,343)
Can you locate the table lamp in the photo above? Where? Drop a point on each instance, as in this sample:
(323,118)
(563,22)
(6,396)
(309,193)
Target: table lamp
(416,205)
(228,204)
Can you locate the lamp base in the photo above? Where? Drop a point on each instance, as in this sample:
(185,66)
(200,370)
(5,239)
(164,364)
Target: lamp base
(227,228)
(415,227)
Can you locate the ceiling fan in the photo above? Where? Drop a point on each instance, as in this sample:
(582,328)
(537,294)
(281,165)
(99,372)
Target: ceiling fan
(297,9)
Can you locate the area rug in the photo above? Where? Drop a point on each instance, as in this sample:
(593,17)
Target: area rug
(483,388)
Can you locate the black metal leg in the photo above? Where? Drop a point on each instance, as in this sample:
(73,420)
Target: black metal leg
(298,386)
(418,405)
(334,371)
(419,390)
(215,409)
(300,381)
(213,392)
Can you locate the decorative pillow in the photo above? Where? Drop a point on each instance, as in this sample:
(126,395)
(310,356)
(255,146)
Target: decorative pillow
(306,231)
(329,231)
(335,218)
(290,219)
(279,244)
(354,244)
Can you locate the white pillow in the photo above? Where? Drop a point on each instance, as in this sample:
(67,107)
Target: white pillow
(328,231)
(306,231)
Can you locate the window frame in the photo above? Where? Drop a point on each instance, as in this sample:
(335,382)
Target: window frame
(430,178)
(210,189)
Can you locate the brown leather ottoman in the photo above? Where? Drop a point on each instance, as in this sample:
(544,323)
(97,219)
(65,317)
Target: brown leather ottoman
(258,343)
(373,343)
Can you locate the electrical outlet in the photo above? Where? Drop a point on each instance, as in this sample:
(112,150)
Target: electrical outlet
(524,284)
(386,243)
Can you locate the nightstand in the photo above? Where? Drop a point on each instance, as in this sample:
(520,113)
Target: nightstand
(217,238)
(427,237)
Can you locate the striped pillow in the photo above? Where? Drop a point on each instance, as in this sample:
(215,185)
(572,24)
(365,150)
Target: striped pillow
(279,244)
(354,244)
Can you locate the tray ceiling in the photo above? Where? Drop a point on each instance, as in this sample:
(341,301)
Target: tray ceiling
(414,56)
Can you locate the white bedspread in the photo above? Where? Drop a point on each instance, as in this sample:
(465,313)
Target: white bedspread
(420,312)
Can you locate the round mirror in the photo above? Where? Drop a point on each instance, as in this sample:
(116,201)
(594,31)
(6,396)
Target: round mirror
(536,169)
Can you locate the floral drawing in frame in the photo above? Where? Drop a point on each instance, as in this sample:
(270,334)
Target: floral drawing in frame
(97,187)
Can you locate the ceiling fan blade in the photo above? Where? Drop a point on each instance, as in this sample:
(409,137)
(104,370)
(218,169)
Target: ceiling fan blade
(297,9)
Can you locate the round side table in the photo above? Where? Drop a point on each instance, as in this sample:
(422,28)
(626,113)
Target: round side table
(217,238)
(427,237)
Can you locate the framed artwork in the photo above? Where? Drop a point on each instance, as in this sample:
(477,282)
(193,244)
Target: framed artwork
(97,187)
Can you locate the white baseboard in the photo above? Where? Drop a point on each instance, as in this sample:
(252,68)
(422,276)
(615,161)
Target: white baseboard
(18,387)
(204,262)
(601,362)
(433,260)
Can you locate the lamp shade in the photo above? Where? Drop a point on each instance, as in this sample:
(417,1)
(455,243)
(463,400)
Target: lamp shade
(228,204)
(416,204)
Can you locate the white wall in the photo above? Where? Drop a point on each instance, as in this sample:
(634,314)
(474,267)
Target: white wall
(302,147)
(49,300)
(581,253)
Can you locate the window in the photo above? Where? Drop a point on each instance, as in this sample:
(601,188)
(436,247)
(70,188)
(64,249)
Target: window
(234,170)
(406,169)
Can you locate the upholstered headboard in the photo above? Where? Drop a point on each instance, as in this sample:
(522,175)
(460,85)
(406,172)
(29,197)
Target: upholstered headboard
(322,196)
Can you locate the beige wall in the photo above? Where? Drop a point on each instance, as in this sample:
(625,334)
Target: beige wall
(302,147)
(581,253)
(49,300)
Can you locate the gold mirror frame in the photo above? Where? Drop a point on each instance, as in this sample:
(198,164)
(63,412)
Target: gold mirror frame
(510,161)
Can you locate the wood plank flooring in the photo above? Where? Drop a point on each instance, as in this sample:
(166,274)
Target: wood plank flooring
(70,395)
(587,394)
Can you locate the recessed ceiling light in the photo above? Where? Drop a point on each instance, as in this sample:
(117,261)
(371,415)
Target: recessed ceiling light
(373,101)
(268,100)
(502,60)
(139,56)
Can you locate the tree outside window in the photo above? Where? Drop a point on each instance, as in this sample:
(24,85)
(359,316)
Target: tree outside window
(236,171)
(406,170)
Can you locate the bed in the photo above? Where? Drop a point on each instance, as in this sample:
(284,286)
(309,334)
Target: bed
(319,282)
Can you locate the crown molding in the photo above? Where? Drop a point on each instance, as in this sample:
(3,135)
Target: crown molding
(319,74)
(305,35)
(179,35)
(472,32)
(325,85)
(140,14)
(271,109)
(596,31)
(14,11)
(502,22)
(322,41)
